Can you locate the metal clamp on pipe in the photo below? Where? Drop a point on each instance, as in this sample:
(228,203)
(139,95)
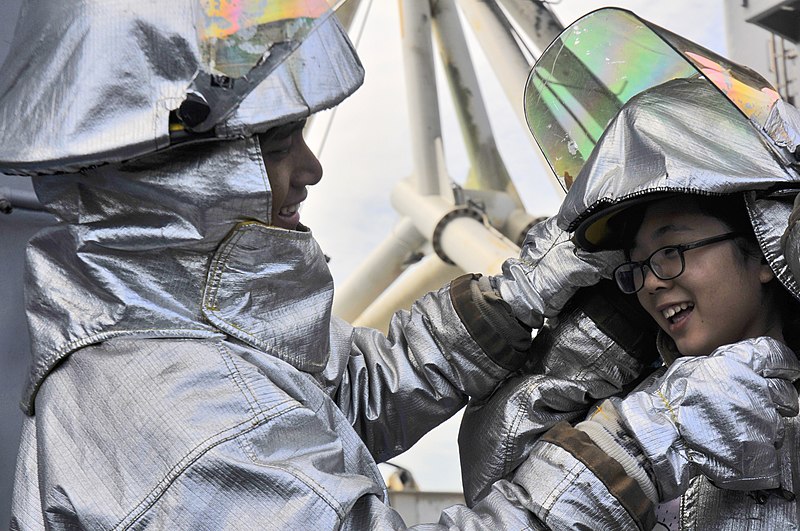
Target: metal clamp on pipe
(436,238)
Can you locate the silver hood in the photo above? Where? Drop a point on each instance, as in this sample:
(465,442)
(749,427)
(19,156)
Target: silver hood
(623,110)
(173,245)
(683,137)
(88,82)
(680,137)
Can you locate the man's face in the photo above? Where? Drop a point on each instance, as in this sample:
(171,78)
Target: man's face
(291,166)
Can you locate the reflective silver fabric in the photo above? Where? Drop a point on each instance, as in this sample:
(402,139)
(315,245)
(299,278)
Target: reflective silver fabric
(167,335)
(674,138)
(186,371)
(91,81)
(585,506)
(580,365)
(548,272)
(742,388)
(783,125)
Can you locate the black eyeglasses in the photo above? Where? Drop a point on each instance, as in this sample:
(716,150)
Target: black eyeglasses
(665,263)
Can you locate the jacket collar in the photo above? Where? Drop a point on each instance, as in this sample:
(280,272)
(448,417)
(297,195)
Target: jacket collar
(158,248)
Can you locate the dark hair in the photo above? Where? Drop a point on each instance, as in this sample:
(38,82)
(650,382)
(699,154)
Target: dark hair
(729,209)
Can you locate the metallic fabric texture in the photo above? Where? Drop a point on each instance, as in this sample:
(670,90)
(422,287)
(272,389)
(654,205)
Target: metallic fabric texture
(187,372)
(548,272)
(719,152)
(89,82)
(679,137)
(579,365)
(674,139)
(737,451)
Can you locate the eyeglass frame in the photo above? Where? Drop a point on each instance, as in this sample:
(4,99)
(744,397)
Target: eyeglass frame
(680,248)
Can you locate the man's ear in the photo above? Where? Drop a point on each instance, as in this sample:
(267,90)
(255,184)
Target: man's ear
(765,273)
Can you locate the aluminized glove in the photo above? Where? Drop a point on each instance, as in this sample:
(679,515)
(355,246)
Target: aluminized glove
(548,272)
(599,345)
(718,415)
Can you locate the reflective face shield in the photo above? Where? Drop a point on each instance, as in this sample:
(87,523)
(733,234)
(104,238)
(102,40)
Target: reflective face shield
(240,43)
(90,82)
(604,59)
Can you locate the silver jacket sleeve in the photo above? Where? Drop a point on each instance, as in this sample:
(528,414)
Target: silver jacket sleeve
(203,434)
(598,346)
(396,388)
(735,446)
(718,415)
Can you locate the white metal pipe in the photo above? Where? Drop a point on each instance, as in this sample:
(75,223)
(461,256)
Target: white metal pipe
(430,274)
(506,58)
(423,104)
(377,272)
(470,244)
(534,19)
(488,168)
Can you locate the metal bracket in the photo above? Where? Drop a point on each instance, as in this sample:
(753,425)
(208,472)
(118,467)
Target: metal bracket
(436,239)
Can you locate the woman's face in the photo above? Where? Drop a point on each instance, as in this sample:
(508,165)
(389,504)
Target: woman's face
(718,299)
(291,167)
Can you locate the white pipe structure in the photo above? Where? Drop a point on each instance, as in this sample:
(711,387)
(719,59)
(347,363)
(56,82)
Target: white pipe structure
(509,63)
(507,59)
(382,267)
(429,274)
(459,234)
(535,20)
(423,104)
(488,170)
(463,239)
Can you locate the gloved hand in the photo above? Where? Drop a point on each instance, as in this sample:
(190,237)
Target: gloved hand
(719,415)
(548,272)
(599,345)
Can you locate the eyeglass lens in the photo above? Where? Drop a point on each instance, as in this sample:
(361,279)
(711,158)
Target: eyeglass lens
(666,264)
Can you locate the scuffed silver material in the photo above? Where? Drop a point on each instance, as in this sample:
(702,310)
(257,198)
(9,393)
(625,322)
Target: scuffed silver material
(672,419)
(549,270)
(92,82)
(186,371)
(673,139)
(165,381)
(583,507)
(720,152)
(580,365)
(783,126)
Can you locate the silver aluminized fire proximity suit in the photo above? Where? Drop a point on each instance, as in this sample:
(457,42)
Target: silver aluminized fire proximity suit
(673,134)
(187,372)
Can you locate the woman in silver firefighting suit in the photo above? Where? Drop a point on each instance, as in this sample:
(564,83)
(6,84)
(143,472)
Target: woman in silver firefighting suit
(187,372)
(696,188)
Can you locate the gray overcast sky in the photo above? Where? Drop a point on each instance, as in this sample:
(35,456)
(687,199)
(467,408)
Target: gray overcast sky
(368,151)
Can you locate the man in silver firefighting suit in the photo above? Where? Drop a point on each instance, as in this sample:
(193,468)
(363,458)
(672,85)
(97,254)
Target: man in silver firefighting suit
(709,441)
(187,372)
